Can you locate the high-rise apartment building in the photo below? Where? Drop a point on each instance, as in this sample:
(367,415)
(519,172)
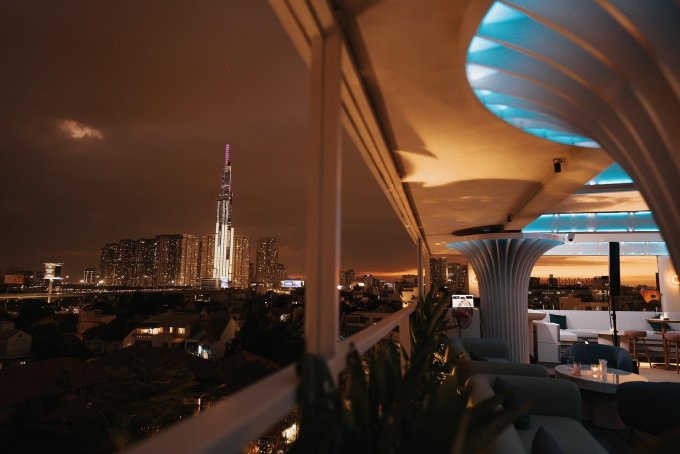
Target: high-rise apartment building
(457,277)
(267,261)
(437,272)
(281,274)
(188,261)
(108,264)
(224,232)
(206,259)
(165,260)
(169,253)
(346,278)
(240,276)
(146,268)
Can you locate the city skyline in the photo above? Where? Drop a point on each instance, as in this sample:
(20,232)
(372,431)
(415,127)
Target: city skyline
(99,153)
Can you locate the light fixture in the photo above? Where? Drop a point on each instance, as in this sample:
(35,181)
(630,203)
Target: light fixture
(675,280)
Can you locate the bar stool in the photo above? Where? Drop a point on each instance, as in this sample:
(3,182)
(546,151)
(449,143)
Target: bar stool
(673,338)
(634,337)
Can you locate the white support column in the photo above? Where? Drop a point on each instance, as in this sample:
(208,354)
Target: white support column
(323,203)
(503,264)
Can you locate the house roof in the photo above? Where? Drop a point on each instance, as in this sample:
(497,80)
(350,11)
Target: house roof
(6,334)
(202,368)
(174,319)
(44,378)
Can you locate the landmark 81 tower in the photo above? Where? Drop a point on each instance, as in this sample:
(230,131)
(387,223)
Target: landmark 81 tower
(224,232)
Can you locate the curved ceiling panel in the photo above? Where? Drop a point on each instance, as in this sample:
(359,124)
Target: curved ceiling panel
(591,73)
(504,59)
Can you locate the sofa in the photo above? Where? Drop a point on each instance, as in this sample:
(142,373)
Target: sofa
(493,358)
(591,326)
(555,406)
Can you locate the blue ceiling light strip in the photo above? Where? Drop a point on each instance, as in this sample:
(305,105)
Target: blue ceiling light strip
(614,174)
(505,24)
(626,221)
(602,248)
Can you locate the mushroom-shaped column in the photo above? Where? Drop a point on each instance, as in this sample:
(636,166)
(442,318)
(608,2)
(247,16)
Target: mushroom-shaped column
(503,264)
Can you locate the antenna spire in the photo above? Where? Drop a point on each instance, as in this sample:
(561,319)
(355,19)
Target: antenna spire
(227,157)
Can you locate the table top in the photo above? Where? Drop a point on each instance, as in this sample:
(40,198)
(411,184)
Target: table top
(597,382)
(660,320)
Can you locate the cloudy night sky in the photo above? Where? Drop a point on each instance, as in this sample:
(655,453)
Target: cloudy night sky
(114,121)
(113,124)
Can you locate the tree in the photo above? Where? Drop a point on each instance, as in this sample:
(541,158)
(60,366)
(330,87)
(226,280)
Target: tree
(139,399)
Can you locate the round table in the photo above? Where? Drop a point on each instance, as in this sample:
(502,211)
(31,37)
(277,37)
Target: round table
(598,392)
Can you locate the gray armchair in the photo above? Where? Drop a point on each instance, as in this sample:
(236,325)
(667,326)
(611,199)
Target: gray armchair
(649,407)
(616,357)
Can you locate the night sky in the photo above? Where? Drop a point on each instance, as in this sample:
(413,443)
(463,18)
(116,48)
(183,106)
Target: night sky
(113,124)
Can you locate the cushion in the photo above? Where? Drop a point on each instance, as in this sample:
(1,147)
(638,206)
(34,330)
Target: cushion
(569,434)
(514,399)
(456,348)
(659,326)
(475,357)
(568,336)
(559,319)
(544,443)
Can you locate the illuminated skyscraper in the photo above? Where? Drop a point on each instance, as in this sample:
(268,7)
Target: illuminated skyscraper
(267,261)
(241,261)
(224,232)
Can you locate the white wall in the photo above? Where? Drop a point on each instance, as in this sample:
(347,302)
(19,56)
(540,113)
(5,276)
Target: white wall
(670,293)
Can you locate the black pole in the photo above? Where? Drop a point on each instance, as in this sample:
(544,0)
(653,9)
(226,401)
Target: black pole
(614,284)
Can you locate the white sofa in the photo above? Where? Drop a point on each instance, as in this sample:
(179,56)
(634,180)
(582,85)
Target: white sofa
(588,326)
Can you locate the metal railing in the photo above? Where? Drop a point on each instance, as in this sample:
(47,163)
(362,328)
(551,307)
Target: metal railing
(229,425)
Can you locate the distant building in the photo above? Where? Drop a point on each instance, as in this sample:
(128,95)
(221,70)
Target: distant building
(188,265)
(281,274)
(146,263)
(241,277)
(90,276)
(457,277)
(224,232)
(346,278)
(206,258)
(108,264)
(437,272)
(367,279)
(267,262)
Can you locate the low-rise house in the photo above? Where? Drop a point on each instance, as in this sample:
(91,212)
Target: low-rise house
(168,330)
(14,344)
(88,319)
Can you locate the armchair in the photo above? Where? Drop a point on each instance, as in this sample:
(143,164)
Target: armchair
(616,357)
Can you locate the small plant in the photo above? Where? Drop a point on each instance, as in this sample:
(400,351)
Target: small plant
(384,409)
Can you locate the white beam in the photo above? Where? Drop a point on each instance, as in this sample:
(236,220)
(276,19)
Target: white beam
(323,203)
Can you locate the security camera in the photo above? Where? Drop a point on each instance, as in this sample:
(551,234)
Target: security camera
(509,218)
(557,164)
(570,237)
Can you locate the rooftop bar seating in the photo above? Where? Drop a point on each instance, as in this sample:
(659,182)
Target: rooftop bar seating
(491,356)
(555,406)
(616,357)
